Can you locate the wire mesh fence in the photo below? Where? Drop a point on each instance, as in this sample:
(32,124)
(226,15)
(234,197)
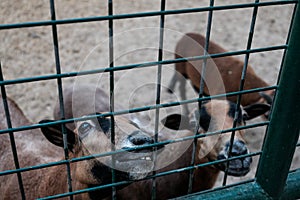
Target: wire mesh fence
(273,178)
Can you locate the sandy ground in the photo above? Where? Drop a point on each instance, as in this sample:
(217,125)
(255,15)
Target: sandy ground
(28,52)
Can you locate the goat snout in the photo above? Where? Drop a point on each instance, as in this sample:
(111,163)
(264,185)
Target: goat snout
(237,167)
(139,138)
(137,162)
(238,148)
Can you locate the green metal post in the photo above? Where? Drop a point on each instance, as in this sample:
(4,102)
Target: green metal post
(291,190)
(283,131)
(250,190)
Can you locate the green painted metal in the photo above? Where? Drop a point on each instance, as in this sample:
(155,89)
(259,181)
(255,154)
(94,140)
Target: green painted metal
(148,177)
(158,91)
(249,190)
(165,142)
(241,85)
(143,14)
(201,91)
(139,109)
(60,95)
(291,190)
(111,92)
(283,131)
(11,135)
(135,66)
(241,192)
(273,181)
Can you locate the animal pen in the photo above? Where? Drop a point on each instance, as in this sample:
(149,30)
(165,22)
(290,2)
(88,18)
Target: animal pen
(273,179)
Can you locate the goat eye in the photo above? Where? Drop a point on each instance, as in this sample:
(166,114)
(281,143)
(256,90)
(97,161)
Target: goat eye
(84,128)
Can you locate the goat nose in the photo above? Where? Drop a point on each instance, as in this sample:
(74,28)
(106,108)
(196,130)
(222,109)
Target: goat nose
(139,138)
(238,148)
(236,167)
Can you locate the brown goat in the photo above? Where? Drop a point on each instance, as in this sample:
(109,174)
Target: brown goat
(222,74)
(214,115)
(33,149)
(93,136)
(220,113)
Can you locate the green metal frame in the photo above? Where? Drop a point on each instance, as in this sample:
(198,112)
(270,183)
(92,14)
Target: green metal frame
(283,131)
(273,179)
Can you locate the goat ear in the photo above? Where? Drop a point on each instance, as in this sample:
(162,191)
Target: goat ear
(267,98)
(255,110)
(176,122)
(54,134)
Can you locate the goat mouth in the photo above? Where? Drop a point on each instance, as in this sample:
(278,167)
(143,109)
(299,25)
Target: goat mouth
(137,165)
(237,167)
(238,172)
(137,155)
(136,169)
(133,157)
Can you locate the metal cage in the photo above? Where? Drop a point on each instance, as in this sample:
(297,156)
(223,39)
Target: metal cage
(273,179)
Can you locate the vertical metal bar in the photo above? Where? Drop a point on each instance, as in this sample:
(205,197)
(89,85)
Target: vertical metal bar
(287,40)
(158,88)
(201,91)
(242,82)
(283,131)
(60,94)
(111,93)
(11,135)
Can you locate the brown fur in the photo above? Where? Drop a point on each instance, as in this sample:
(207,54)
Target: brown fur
(175,185)
(172,185)
(75,107)
(222,74)
(33,149)
(30,146)
(50,181)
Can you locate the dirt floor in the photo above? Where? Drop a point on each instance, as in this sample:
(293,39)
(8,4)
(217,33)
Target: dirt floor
(28,52)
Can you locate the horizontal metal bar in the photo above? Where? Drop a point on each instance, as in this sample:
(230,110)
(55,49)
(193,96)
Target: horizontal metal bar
(142,14)
(250,190)
(134,110)
(192,167)
(166,142)
(76,192)
(150,177)
(139,65)
(220,188)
